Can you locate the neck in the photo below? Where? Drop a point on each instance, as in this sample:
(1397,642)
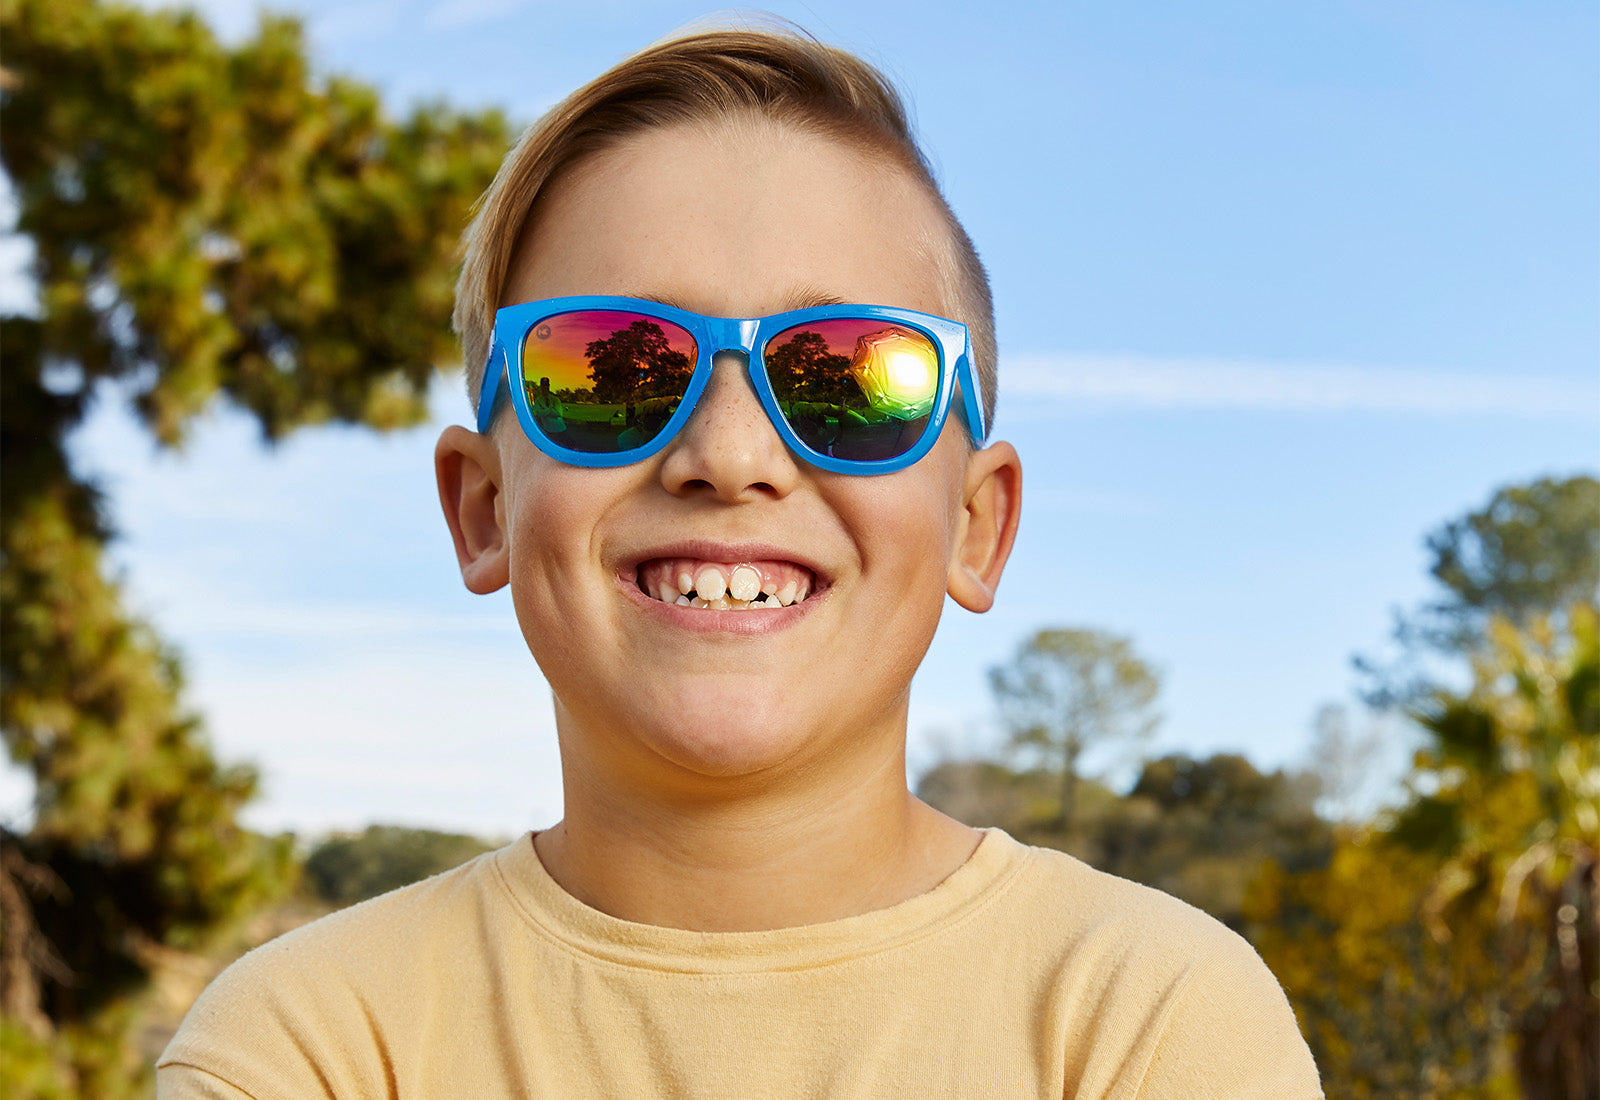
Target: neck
(781,854)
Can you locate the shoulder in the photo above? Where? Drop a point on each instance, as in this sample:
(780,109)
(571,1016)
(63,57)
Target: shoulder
(1186,1002)
(1119,920)
(411,923)
(337,991)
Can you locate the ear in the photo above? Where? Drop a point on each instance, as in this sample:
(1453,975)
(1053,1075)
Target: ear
(992,497)
(467,466)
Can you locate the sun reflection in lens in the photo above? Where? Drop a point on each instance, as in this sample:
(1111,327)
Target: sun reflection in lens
(896,371)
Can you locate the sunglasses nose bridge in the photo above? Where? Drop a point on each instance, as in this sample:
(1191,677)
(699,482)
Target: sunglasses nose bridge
(731,345)
(729,335)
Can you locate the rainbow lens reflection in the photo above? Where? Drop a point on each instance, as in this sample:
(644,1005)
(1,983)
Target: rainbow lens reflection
(604,381)
(858,389)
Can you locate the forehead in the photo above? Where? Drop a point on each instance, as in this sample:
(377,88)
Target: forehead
(739,217)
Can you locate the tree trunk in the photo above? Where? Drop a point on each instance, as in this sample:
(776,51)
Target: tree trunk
(24,952)
(1069,788)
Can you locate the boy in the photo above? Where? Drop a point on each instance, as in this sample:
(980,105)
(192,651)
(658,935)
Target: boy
(728,545)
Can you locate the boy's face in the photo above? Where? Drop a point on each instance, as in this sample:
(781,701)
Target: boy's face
(733,220)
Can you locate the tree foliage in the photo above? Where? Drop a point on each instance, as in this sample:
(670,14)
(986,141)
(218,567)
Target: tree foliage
(1453,949)
(207,221)
(346,869)
(1069,691)
(215,220)
(1199,829)
(1532,551)
(636,362)
(802,368)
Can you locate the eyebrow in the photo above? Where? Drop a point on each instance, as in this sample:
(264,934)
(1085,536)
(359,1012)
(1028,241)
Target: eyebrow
(803,298)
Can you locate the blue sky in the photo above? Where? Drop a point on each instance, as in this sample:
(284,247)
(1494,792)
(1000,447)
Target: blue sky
(1280,287)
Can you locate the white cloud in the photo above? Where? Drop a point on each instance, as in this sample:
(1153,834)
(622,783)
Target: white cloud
(1128,381)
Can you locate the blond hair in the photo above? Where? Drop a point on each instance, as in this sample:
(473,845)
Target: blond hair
(781,75)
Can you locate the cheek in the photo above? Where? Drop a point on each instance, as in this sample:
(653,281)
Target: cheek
(541,513)
(552,513)
(909,523)
(907,570)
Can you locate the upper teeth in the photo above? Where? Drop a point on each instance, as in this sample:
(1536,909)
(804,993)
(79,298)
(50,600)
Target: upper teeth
(710,583)
(744,584)
(742,587)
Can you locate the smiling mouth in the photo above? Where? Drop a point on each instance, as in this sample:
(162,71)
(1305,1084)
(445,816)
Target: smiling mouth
(724,586)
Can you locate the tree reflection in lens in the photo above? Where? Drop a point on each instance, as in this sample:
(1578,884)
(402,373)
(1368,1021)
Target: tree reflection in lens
(631,382)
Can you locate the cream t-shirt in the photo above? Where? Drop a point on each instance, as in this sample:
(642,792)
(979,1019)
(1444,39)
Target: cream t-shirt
(1025,973)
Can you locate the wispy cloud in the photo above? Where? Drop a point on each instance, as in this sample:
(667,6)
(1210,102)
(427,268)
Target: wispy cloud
(1127,381)
(456,14)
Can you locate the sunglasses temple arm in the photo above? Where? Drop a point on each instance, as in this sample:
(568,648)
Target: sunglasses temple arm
(971,400)
(490,391)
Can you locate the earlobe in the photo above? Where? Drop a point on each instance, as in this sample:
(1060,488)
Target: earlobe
(992,507)
(467,467)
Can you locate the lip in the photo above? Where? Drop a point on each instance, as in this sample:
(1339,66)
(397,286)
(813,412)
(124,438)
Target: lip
(704,620)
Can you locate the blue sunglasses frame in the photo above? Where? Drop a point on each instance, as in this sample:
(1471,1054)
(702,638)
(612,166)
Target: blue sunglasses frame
(713,336)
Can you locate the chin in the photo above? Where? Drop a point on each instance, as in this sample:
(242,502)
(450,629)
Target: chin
(721,731)
(731,741)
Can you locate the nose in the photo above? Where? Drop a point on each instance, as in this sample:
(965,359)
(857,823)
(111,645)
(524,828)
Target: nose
(729,450)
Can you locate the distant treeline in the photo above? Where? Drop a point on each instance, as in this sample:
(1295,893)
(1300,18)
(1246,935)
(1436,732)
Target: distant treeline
(342,869)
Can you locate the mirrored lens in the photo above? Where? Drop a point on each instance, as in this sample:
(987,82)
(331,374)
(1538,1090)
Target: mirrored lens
(860,389)
(605,381)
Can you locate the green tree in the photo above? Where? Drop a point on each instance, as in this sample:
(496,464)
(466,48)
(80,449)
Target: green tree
(636,362)
(803,369)
(1453,948)
(1069,691)
(207,222)
(346,869)
(984,793)
(1532,551)
(1199,829)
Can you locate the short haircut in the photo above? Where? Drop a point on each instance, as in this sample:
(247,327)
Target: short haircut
(782,75)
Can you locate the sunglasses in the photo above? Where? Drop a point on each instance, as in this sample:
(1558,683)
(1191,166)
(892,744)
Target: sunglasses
(610,381)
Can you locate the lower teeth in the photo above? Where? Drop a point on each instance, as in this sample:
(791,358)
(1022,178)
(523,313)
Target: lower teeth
(727,603)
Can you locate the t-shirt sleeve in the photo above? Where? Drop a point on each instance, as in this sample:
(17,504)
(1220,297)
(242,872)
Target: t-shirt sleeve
(175,1081)
(1228,1033)
(267,1030)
